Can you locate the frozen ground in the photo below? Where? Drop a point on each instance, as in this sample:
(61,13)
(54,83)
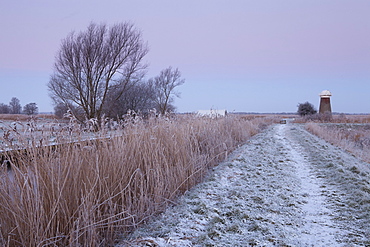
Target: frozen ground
(285,187)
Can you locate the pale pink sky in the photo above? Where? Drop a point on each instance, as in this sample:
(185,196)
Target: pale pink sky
(253,56)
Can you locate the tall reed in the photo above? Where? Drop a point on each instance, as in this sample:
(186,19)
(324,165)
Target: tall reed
(86,192)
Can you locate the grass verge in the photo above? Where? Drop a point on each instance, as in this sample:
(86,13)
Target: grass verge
(354,138)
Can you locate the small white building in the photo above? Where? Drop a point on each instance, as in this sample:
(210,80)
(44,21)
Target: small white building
(212,113)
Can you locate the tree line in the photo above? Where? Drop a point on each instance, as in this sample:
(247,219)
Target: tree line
(15,107)
(101,72)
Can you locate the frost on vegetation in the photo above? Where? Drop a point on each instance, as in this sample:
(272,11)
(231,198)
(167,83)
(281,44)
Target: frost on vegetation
(354,137)
(275,191)
(141,171)
(38,132)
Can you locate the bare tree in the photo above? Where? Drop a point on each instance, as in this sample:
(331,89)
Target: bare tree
(4,109)
(138,97)
(60,109)
(165,85)
(90,62)
(30,109)
(15,106)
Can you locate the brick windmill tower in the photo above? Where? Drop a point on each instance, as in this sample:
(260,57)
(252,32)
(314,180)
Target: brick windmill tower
(325,106)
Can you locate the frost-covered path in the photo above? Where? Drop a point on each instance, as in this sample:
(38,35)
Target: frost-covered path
(285,187)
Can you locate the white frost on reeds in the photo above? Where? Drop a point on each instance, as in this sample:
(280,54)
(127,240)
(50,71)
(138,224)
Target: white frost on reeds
(85,193)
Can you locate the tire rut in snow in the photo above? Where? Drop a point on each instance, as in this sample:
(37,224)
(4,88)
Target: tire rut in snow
(277,190)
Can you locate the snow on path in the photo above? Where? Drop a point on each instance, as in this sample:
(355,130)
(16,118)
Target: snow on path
(285,187)
(318,229)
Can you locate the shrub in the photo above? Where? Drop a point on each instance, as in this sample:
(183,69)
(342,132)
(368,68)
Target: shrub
(305,109)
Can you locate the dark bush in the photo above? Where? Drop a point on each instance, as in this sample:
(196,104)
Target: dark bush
(305,109)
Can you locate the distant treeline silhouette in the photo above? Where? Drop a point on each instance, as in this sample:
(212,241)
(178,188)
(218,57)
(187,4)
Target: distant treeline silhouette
(15,107)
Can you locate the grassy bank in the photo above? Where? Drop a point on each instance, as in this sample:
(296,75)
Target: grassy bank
(352,137)
(84,194)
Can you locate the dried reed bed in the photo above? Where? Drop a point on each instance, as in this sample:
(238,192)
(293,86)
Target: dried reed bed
(23,117)
(335,118)
(84,194)
(14,117)
(361,119)
(354,138)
